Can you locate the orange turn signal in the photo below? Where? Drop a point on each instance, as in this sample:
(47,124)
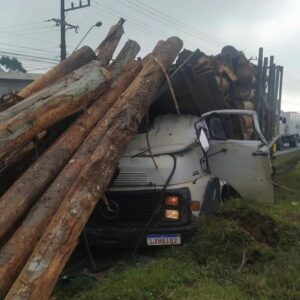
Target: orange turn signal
(172,200)
(195,205)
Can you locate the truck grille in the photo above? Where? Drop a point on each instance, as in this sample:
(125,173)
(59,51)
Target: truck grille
(131,179)
(134,208)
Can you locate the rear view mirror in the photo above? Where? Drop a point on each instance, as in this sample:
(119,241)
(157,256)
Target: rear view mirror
(203,140)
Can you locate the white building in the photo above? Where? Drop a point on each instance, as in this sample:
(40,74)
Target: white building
(15,81)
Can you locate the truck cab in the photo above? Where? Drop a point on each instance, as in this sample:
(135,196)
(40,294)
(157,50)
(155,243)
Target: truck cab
(179,168)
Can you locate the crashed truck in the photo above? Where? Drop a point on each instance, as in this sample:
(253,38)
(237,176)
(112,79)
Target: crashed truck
(182,164)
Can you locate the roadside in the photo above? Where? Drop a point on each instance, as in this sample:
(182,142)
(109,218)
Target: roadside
(245,251)
(287,149)
(284,161)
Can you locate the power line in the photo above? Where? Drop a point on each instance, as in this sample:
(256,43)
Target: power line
(22,24)
(138,25)
(4,52)
(28,38)
(39,50)
(171,23)
(175,21)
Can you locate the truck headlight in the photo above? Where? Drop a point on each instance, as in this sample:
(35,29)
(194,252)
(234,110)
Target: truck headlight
(172,200)
(172,214)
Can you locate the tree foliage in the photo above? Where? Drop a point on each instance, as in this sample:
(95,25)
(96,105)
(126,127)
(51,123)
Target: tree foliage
(12,64)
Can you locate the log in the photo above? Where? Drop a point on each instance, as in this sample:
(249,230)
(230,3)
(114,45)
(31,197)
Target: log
(22,194)
(70,64)
(20,123)
(108,46)
(128,52)
(42,270)
(16,251)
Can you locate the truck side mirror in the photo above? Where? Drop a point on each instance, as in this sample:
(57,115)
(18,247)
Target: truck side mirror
(203,140)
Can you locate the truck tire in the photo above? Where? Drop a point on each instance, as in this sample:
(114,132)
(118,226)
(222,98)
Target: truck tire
(212,197)
(293,143)
(279,144)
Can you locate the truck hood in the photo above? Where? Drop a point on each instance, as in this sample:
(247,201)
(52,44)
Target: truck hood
(169,134)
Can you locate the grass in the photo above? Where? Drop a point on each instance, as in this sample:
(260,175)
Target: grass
(246,251)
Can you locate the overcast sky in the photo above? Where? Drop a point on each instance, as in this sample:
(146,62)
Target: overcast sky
(205,24)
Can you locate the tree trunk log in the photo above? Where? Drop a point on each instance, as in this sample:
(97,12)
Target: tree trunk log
(22,194)
(16,251)
(20,123)
(70,64)
(108,46)
(128,52)
(42,270)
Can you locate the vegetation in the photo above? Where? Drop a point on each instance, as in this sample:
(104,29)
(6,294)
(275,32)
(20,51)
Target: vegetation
(11,64)
(246,251)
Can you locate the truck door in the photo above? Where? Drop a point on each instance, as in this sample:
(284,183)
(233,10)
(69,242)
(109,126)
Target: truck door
(239,154)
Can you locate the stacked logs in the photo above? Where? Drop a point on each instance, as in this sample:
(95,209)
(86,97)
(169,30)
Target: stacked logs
(235,76)
(45,210)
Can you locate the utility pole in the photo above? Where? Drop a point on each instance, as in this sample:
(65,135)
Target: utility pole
(64,26)
(63,47)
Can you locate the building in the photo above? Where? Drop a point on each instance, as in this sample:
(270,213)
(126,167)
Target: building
(15,81)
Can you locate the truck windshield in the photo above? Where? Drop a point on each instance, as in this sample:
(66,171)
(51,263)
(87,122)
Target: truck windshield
(231,127)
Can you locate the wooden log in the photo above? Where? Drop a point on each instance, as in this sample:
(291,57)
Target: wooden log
(128,52)
(42,270)
(108,46)
(8,100)
(20,123)
(15,252)
(71,63)
(18,199)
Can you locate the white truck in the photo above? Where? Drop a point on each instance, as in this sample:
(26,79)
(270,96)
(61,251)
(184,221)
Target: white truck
(289,128)
(182,167)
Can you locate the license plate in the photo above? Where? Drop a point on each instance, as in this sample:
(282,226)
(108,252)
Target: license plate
(163,239)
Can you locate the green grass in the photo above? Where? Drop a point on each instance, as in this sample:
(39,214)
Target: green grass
(281,159)
(246,251)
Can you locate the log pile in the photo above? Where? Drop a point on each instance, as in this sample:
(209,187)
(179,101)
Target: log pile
(45,209)
(235,76)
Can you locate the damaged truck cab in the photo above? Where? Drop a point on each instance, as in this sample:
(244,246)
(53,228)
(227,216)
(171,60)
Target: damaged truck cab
(180,168)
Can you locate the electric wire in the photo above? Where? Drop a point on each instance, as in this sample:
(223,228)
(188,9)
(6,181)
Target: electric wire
(145,27)
(175,21)
(173,24)
(140,26)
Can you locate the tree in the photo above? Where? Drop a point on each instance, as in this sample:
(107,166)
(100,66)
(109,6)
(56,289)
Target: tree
(11,64)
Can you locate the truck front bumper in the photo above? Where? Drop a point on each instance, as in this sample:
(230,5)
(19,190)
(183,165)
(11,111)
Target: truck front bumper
(127,237)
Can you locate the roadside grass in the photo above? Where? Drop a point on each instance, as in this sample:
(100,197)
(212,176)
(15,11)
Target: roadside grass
(246,251)
(281,159)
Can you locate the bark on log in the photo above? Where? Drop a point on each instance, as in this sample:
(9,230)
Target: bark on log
(128,52)
(108,46)
(71,63)
(18,199)
(16,251)
(41,272)
(20,123)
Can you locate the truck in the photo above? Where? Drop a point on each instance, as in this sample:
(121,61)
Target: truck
(177,168)
(289,129)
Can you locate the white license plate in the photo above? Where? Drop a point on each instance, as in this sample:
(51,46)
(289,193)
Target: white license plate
(163,239)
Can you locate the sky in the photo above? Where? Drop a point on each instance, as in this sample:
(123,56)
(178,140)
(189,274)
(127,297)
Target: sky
(27,33)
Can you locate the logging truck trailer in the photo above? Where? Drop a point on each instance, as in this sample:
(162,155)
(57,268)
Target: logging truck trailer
(289,129)
(178,170)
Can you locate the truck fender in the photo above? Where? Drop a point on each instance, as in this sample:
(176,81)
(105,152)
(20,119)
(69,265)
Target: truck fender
(212,196)
(203,191)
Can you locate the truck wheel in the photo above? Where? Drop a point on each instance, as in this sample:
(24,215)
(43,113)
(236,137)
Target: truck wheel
(279,144)
(293,143)
(212,197)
